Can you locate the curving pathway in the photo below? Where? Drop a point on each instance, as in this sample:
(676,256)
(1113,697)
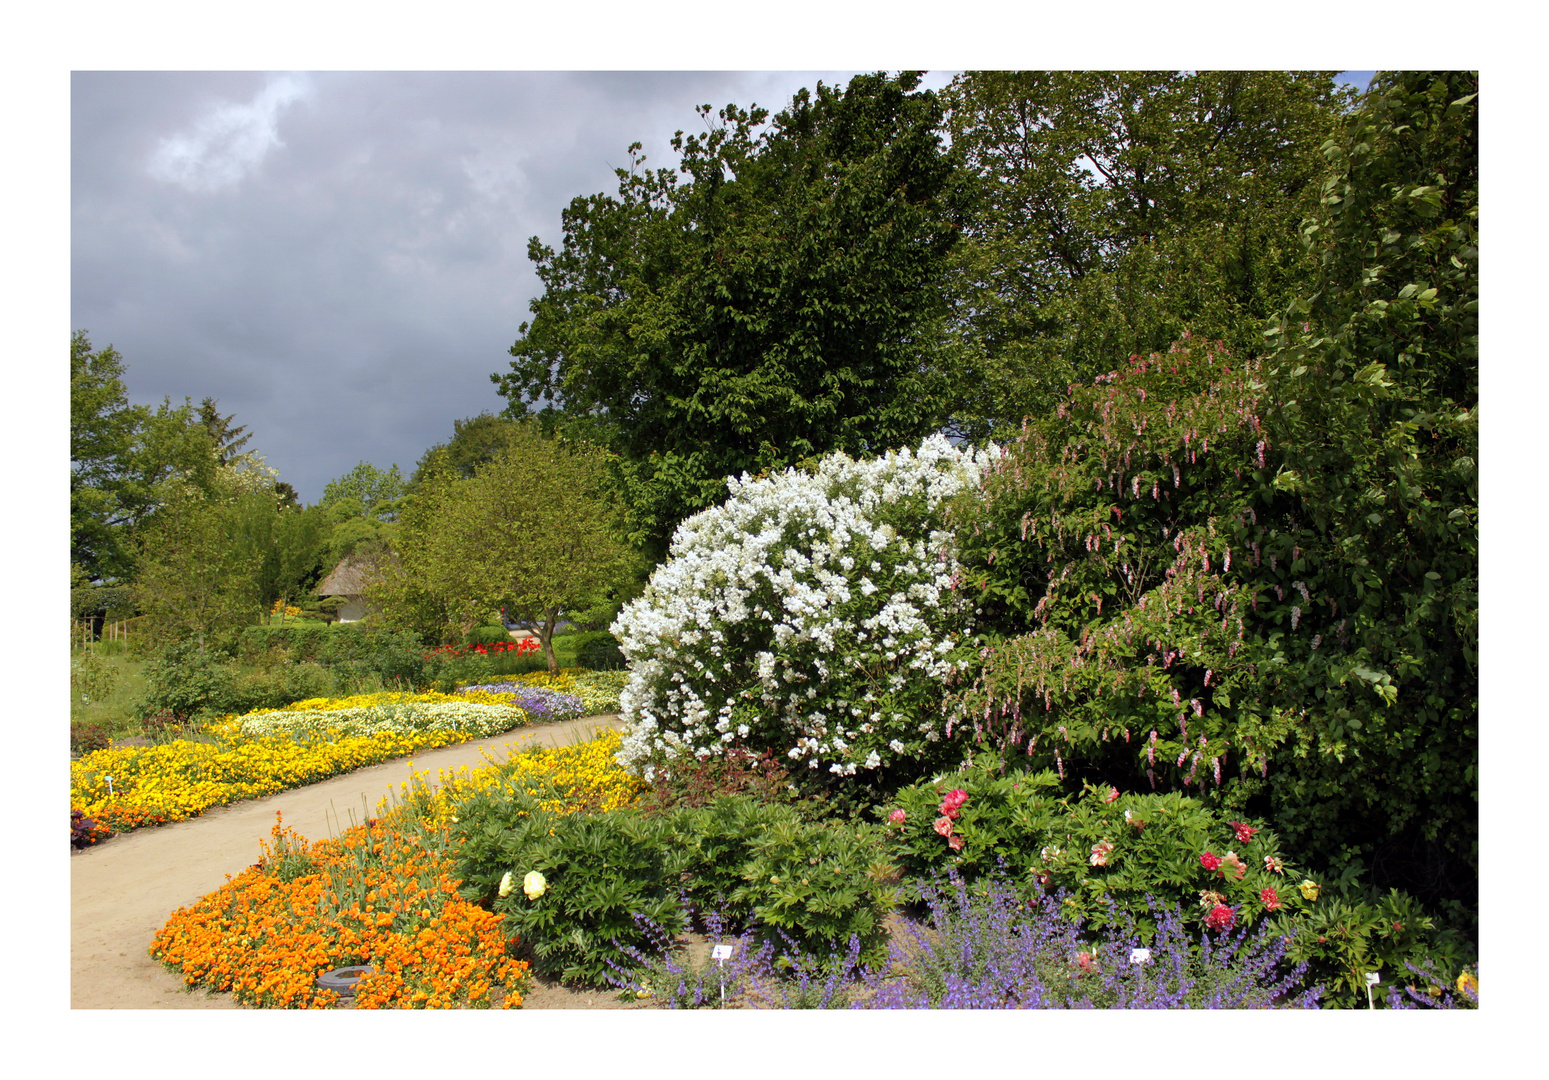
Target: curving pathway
(122,891)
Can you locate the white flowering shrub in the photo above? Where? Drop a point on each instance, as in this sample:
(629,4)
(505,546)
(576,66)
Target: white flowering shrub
(812,613)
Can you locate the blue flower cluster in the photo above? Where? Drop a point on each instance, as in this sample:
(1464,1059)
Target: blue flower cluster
(545,706)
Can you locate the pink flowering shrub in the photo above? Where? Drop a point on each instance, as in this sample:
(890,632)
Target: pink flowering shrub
(1095,847)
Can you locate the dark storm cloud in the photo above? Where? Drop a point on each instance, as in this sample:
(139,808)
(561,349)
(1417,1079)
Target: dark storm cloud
(341,259)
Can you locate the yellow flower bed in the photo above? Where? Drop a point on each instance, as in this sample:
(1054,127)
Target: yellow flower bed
(566,779)
(154,785)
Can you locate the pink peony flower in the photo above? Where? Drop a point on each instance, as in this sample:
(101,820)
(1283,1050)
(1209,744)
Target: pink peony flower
(1243,831)
(955,842)
(1273,864)
(1209,861)
(1231,866)
(953,802)
(1100,853)
(897,817)
(943,826)
(1220,918)
(1112,796)
(1271,899)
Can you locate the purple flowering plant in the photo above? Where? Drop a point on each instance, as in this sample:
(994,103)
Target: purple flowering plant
(994,950)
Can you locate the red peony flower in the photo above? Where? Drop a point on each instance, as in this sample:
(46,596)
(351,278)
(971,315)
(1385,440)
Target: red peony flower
(1112,796)
(1220,918)
(1209,861)
(943,826)
(1271,899)
(897,817)
(1244,832)
(953,802)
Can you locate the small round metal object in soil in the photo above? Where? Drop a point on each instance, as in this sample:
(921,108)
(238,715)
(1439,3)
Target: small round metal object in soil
(342,980)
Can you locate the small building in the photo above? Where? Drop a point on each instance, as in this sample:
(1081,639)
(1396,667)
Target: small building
(348,582)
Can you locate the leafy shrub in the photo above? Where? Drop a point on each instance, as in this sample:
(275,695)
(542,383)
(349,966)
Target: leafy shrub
(991,951)
(1102,848)
(811,614)
(1353,932)
(278,687)
(600,870)
(300,640)
(395,656)
(165,726)
(598,650)
(718,838)
(187,681)
(91,679)
(820,884)
(1257,582)
(86,736)
(488,635)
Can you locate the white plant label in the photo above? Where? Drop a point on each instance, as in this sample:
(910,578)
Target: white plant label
(721,952)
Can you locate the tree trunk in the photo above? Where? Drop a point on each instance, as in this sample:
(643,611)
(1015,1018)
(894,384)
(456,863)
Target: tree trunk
(546,637)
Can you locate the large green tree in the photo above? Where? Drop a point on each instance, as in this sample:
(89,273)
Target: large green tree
(1114,212)
(776,297)
(536,531)
(197,574)
(120,455)
(476,441)
(361,509)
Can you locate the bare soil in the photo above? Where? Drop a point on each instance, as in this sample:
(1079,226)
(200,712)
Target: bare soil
(123,890)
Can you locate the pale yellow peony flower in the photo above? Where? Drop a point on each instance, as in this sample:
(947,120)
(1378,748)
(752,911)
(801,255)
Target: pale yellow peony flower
(1468,984)
(1310,889)
(534,885)
(505,884)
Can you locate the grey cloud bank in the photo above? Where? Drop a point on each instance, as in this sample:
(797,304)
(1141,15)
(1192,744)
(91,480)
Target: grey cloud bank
(340,259)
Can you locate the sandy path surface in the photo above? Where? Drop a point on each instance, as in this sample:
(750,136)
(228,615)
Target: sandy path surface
(122,891)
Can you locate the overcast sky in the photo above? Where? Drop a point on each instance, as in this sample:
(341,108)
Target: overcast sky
(340,259)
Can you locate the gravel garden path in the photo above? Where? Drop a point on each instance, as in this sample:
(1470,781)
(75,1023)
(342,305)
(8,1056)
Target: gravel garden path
(122,891)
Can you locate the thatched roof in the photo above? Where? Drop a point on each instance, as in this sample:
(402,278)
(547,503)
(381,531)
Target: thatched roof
(350,577)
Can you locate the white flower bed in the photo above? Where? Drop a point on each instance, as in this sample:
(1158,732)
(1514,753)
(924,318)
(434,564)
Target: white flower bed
(476,721)
(810,613)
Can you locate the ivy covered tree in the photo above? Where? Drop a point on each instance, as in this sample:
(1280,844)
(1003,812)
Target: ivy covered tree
(1257,581)
(775,298)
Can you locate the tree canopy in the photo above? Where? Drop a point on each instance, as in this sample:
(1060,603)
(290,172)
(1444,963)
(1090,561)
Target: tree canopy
(1257,580)
(120,454)
(1111,212)
(536,531)
(775,298)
